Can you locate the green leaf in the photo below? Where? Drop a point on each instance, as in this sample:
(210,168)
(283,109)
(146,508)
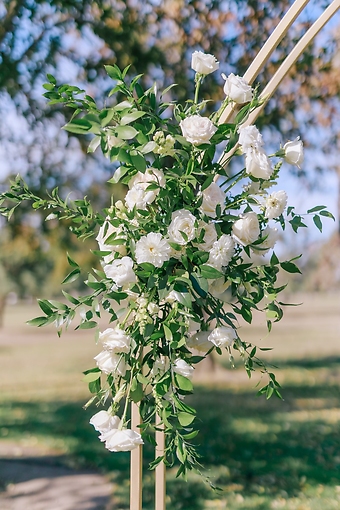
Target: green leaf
(119,173)
(130,117)
(92,376)
(183,383)
(45,306)
(70,298)
(290,267)
(114,72)
(71,261)
(87,325)
(72,276)
(126,132)
(317,222)
(137,393)
(38,321)
(316,209)
(168,333)
(78,126)
(327,214)
(139,162)
(210,272)
(185,418)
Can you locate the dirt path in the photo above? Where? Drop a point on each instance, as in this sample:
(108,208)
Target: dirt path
(32,480)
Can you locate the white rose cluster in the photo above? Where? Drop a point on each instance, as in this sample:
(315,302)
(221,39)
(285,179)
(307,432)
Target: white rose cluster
(256,161)
(116,439)
(106,231)
(111,359)
(139,195)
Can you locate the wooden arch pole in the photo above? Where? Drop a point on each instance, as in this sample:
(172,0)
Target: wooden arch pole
(266,51)
(250,75)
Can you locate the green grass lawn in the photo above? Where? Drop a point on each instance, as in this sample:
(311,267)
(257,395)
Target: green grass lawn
(263,454)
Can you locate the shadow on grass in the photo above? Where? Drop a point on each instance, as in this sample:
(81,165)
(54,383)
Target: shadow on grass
(245,442)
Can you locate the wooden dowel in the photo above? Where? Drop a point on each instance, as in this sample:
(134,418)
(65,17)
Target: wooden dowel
(136,464)
(160,471)
(271,44)
(290,60)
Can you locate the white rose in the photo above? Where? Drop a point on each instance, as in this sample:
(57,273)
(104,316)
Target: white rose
(250,138)
(203,63)
(222,252)
(294,152)
(237,89)
(272,235)
(197,129)
(109,363)
(212,196)
(121,272)
(123,440)
(181,367)
(152,248)
(105,231)
(223,336)
(199,341)
(218,288)
(139,198)
(275,204)
(115,340)
(160,366)
(247,229)
(210,235)
(258,164)
(182,221)
(104,421)
(144,180)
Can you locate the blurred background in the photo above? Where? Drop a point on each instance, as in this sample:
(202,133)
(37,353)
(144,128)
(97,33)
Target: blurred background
(263,454)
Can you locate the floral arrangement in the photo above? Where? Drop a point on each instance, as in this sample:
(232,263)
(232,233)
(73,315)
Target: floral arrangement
(177,272)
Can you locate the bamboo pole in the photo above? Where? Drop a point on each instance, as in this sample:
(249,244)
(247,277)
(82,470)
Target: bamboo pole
(160,471)
(271,44)
(136,464)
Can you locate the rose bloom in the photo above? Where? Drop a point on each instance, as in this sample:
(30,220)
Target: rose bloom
(152,248)
(139,198)
(121,272)
(222,252)
(203,63)
(237,89)
(105,231)
(294,152)
(197,129)
(218,288)
(258,164)
(250,138)
(199,341)
(144,180)
(115,340)
(210,235)
(160,366)
(182,221)
(109,363)
(104,421)
(181,367)
(123,440)
(223,336)
(212,196)
(246,230)
(272,235)
(275,204)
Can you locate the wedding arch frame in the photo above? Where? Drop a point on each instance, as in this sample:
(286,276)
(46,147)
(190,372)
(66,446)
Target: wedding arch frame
(250,75)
